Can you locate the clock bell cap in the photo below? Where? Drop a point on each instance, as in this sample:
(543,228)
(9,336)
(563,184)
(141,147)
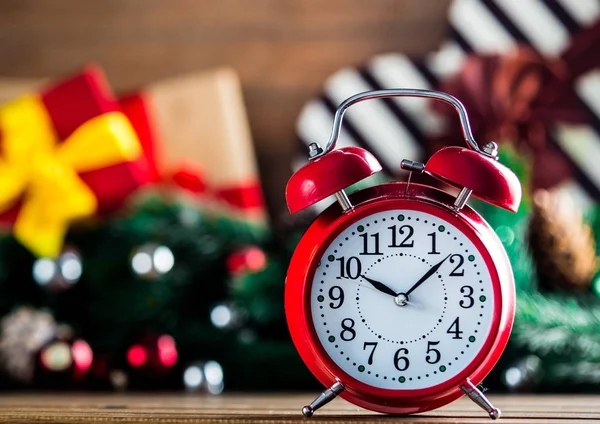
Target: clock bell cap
(490,181)
(328,174)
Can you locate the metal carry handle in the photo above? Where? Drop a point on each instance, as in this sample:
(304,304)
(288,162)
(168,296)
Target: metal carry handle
(316,151)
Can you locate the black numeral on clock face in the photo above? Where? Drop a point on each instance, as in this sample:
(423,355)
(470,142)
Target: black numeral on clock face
(371,345)
(347,334)
(467,292)
(401,362)
(337,295)
(407,231)
(433,355)
(351,268)
(367,244)
(455,329)
(459,260)
(433,250)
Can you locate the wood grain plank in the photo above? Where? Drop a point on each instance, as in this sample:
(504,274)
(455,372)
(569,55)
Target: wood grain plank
(275,408)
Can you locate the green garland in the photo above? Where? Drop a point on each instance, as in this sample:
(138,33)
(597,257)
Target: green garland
(558,327)
(111,306)
(561,329)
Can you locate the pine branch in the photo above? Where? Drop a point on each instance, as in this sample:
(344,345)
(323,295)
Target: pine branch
(557,327)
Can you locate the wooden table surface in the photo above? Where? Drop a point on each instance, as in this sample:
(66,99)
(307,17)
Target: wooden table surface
(231,409)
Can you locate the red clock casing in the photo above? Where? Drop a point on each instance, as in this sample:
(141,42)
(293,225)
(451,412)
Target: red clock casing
(332,222)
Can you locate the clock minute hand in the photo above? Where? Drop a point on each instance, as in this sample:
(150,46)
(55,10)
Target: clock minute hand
(379,286)
(428,274)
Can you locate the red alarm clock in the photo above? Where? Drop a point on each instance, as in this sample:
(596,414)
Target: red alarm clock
(400,298)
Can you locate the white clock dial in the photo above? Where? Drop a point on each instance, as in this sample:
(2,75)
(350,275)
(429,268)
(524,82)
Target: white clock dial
(402,299)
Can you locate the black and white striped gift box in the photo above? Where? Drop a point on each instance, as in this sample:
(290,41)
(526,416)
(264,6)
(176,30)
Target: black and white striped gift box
(394,129)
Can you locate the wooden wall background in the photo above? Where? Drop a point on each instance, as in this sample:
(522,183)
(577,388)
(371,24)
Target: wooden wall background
(282,49)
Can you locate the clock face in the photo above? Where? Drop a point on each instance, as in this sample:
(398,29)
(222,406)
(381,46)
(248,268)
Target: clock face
(401,300)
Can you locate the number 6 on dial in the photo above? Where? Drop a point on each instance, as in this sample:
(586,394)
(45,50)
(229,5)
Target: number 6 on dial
(413,301)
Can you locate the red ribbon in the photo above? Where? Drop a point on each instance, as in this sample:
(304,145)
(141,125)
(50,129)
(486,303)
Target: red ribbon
(246,196)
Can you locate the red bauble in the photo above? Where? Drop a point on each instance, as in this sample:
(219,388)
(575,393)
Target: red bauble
(153,355)
(63,362)
(248,259)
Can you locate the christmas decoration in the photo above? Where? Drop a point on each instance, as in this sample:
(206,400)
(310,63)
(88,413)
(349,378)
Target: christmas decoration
(256,291)
(111,305)
(119,380)
(24,332)
(227,316)
(562,246)
(204,377)
(513,229)
(199,192)
(62,151)
(63,361)
(529,96)
(199,120)
(563,332)
(151,260)
(154,355)
(60,273)
(520,86)
(34,348)
(249,259)
(522,375)
(171,272)
(221,294)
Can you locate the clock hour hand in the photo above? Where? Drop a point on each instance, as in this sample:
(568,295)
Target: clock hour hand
(379,286)
(428,274)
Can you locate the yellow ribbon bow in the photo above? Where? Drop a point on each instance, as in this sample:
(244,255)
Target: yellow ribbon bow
(43,173)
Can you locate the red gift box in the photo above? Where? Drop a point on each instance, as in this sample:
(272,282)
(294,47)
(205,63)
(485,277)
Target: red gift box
(73,102)
(68,105)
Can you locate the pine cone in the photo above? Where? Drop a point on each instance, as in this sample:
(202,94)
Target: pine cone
(562,245)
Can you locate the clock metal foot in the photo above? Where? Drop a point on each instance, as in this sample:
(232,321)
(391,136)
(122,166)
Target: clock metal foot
(323,399)
(479,398)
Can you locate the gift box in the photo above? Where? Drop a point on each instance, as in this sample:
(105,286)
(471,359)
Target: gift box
(68,152)
(526,71)
(199,123)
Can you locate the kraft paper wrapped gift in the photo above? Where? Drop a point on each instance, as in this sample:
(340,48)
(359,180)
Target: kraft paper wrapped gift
(199,121)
